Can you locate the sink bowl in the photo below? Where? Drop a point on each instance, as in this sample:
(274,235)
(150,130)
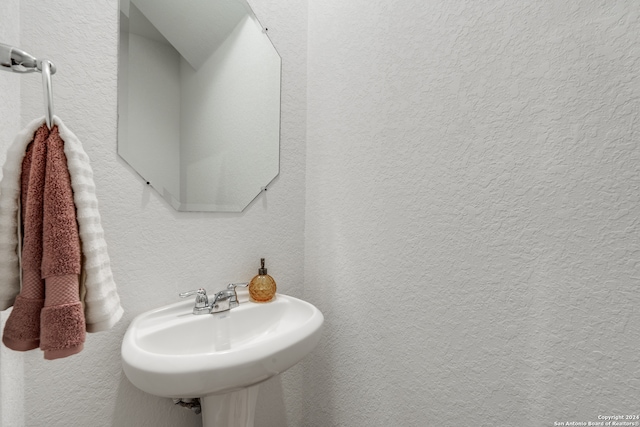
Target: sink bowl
(171,352)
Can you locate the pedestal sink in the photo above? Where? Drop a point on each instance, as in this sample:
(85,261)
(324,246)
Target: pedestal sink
(220,357)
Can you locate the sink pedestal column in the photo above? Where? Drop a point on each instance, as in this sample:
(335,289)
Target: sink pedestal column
(235,409)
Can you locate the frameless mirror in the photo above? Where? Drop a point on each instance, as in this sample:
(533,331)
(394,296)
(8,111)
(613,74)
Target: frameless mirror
(198,101)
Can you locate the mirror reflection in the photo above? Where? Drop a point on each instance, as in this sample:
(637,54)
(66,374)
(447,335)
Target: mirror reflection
(198,101)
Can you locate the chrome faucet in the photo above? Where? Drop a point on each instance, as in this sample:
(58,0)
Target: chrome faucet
(224,300)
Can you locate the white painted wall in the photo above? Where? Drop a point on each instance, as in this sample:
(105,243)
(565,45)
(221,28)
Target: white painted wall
(157,252)
(472,234)
(11,363)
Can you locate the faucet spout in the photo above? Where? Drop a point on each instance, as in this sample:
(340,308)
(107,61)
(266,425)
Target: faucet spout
(222,301)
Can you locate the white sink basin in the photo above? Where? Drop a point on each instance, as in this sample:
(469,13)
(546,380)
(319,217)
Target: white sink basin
(171,352)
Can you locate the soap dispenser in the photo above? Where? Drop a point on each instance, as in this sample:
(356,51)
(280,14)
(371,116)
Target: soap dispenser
(262,287)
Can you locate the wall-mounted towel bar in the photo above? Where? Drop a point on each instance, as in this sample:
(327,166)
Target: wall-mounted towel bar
(19,61)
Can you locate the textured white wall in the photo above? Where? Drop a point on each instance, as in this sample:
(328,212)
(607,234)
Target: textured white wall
(471,217)
(155,251)
(11,363)
(472,234)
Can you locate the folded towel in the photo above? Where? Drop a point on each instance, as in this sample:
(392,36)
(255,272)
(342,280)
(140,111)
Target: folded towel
(22,330)
(102,307)
(51,251)
(33,177)
(10,191)
(102,303)
(62,326)
(61,243)
(62,331)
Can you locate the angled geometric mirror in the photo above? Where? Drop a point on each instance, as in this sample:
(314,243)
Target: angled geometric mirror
(198,101)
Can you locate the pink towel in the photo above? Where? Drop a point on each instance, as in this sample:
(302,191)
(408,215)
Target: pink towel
(22,330)
(62,326)
(48,312)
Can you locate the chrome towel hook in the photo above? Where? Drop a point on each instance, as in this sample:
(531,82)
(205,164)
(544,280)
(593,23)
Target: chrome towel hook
(18,61)
(46,66)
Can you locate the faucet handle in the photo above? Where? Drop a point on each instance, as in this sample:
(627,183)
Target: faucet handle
(200,291)
(235,285)
(202,301)
(234,299)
